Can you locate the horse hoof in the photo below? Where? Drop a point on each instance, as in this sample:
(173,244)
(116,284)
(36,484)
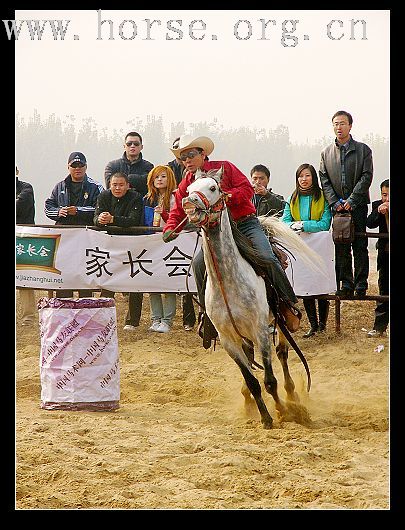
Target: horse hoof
(267,424)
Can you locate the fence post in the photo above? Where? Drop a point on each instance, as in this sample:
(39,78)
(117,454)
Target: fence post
(337,314)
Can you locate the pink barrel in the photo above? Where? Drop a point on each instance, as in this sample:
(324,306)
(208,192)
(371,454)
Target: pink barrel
(79,359)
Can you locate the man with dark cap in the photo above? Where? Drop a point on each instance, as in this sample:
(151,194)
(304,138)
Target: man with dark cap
(73,201)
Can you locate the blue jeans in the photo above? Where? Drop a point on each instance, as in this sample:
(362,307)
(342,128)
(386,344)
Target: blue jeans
(163,307)
(253,230)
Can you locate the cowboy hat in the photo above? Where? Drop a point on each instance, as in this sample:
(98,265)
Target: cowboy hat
(187,142)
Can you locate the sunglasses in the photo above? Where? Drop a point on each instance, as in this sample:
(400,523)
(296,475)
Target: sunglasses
(77,164)
(189,154)
(136,144)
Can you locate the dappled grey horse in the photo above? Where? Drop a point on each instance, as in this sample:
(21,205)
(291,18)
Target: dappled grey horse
(235,295)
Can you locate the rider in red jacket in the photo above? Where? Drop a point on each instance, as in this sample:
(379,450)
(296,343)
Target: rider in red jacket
(233,182)
(194,153)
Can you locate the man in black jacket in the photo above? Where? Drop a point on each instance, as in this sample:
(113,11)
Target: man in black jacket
(379,218)
(346,172)
(131,163)
(266,202)
(25,214)
(136,168)
(25,203)
(121,206)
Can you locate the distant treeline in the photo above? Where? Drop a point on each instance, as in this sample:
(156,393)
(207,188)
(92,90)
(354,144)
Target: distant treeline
(43,145)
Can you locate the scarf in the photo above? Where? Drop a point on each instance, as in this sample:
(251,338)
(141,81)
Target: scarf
(317,208)
(307,191)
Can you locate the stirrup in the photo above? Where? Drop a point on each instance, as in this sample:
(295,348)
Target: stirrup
(207,332)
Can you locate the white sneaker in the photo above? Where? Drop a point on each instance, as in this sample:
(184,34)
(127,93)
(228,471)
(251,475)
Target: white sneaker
(163,328)
(129,327)
(154,326)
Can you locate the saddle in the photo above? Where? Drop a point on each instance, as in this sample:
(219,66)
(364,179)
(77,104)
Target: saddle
(290,314)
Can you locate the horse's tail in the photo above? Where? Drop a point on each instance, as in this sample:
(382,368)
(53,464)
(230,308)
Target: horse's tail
(295,244)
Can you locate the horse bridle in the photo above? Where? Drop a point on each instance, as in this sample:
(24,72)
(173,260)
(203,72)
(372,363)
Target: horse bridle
(212,213)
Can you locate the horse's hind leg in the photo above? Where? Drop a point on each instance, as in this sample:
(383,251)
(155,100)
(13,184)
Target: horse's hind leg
(295,411)
(253,387)
(282,354)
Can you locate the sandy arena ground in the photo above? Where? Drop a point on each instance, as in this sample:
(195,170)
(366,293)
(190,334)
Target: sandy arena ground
(182,438)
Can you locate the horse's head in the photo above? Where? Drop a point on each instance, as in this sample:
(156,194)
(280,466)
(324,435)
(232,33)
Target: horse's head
(205,200)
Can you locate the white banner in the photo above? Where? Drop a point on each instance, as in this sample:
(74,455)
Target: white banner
(81,258)
(304,280)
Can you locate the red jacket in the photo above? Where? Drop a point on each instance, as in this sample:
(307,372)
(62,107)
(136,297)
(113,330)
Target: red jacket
(233,181)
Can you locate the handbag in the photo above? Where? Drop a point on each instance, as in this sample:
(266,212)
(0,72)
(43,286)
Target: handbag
(343,228)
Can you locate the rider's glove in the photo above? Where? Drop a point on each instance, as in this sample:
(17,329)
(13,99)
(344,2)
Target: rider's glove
(169,235)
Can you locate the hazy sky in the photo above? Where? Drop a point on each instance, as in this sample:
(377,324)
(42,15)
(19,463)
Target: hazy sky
(254,68)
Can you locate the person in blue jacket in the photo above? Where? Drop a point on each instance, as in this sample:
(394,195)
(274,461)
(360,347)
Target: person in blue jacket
(307,211)
(73,202)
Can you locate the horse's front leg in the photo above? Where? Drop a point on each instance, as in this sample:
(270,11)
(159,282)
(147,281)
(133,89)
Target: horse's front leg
(252,384)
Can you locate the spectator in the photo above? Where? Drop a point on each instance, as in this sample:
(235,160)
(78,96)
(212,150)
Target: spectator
(136,168)
(131,164)
(160,198)
(73,202)
(189,318)
(121,206)
(307,211)
(265,201)
(177,165)
(25,214)
(379,217)
(193,151)
(346,172)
